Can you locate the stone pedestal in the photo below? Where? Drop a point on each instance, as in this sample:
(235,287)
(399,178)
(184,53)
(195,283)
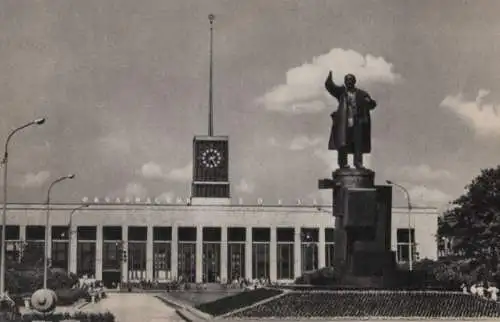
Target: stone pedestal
(363,227)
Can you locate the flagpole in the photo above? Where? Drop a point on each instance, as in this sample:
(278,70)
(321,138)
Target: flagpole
(211,19)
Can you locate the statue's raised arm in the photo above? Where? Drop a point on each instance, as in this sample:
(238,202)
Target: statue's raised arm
(332,88)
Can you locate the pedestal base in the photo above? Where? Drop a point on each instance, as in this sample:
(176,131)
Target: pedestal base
(354,178)
(363,229)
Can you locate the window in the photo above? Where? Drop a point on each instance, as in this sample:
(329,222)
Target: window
(86,252)
(186,262)
(260,259)
(60,254)
(285,253)
(111,257)
(162,260)
(405,237)
(260,252)
(136,260)
(285,269)
(236,237)
(309,248)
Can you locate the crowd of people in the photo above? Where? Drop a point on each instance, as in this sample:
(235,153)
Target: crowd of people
(483,290)
(94,287)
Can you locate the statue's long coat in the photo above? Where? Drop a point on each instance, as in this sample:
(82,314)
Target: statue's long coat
(340,134)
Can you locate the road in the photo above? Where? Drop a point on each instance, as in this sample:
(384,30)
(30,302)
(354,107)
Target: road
(135,307)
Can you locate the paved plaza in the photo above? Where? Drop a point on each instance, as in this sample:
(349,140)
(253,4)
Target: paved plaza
(135,307)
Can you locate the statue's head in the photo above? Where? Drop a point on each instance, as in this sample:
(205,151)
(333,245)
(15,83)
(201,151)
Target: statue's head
(349,81)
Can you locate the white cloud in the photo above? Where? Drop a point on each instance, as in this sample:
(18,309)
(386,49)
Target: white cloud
(302,142)
(34,180)
(135,189)
(304,90)
(425,196)
(245,186)
(181,174)
(421,172)
(152,170)
(483,118)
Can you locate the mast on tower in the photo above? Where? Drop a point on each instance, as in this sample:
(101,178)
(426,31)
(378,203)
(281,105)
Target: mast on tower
(211,19)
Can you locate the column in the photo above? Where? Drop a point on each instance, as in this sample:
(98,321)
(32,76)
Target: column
(174,256)
(297,254)
(223,255)
(321,246)
(49,244)
(199,254)
(22,236)
(248,253)
(22,233)
(125,248)
(98,252)
(73,249)
(149,254)
(272,256)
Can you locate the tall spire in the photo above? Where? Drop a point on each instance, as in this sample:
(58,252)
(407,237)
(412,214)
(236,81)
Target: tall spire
(211,19)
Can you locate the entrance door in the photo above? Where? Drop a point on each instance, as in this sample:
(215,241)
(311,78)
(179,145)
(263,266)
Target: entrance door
(111,278)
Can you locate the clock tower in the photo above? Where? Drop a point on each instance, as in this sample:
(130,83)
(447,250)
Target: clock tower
(211,169)
(210,157)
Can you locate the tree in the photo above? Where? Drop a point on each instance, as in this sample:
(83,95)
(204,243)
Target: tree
(473,226)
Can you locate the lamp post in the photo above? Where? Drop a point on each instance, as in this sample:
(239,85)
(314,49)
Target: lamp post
(71,232)
(4,213)
(47,221)
(410,241)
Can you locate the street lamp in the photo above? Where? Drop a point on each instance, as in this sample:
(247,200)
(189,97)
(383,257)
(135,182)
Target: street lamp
(4,213)
(410,241)
(47,220)
(71,232)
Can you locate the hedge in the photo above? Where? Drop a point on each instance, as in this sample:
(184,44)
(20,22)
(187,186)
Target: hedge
(22,281)
(65,297)
(79,316)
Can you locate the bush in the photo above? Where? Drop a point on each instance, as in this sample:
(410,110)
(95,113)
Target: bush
(67,297)
(79,316)
(323,276)
(21,281)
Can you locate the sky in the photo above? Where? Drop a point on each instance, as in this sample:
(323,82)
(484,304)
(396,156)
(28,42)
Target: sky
(124,87)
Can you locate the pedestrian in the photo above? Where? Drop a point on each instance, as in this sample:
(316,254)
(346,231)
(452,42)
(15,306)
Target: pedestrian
(473,289)
(493,290)
(480,290)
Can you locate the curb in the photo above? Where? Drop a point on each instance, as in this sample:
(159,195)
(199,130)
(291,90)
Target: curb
(81,305)
(186,315)
(185,311)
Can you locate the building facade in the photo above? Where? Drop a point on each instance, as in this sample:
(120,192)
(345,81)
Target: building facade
(200,243)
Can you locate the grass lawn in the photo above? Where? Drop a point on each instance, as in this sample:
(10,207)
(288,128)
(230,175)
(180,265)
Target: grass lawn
(237,301)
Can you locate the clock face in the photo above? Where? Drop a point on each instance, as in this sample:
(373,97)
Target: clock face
(211,158)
